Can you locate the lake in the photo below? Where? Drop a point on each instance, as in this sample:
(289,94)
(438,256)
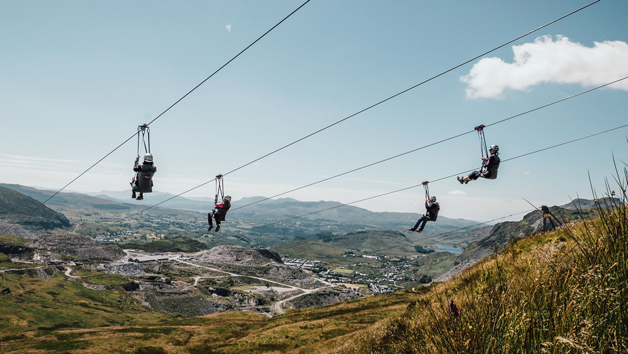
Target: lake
(445,248)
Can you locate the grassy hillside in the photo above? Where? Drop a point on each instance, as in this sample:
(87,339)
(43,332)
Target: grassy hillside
(40,306)
(14,207)
(559,292)
(305,331)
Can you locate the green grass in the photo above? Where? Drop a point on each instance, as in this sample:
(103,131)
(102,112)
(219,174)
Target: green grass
(343,271)
(55,303)
(434,264)
(13,241)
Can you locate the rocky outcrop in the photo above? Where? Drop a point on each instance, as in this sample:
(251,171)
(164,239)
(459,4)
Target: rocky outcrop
(324,298)
(188,306)
(237,255)
(77,246)
(7,228)
(126,269)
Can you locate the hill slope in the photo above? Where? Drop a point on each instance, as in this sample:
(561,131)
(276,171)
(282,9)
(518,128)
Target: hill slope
(560,292)
(14,206)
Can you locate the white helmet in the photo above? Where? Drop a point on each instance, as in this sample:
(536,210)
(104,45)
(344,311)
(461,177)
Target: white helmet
(433,199)
(148,157)
(228,198)
(494,147)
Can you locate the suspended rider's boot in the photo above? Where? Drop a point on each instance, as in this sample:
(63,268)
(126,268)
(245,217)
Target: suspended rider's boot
(217,228)
(140,197)
(210,227)
(461,180)
(133,195)
(411,229)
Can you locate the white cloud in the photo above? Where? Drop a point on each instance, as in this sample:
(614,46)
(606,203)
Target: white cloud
(527,172)
(457,192)
(228,28)
(549,61)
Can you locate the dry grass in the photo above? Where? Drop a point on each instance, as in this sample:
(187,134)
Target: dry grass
(559,292)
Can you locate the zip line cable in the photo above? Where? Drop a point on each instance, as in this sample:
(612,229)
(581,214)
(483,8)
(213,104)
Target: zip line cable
(378,103)
(426,146)
(168,109)
(443,178)
(462,228)
(482,223)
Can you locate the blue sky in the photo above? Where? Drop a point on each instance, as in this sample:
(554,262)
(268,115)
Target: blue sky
(79,76)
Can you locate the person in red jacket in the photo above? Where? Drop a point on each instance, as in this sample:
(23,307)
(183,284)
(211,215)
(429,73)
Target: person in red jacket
(219,212)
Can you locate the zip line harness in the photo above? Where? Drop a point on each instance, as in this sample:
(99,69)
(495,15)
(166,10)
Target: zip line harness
(220,187)
(427,190)
(143,134)
(483,147)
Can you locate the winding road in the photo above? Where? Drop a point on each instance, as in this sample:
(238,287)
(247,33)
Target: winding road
(277,307)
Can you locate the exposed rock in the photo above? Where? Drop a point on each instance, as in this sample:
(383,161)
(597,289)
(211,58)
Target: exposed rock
(38,272)
(95,287)
(77,246)
(132,286)
(324,298)
(126,269)
(237,255)
(188,306)
(7,228)
(308,283)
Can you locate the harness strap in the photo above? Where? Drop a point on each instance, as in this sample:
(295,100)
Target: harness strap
(427,190)
(220,187)
(144,130)
(483,147)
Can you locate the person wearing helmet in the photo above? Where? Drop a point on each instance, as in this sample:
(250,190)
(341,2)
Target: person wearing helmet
(219,212)
(142,182)
(489,167)
(432,209)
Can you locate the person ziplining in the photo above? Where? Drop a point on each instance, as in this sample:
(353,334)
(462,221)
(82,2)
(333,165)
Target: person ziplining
(220,210)
(432,208)
(490,160)
(142,181)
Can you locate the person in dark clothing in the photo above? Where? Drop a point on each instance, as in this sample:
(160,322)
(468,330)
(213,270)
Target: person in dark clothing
(431,214)
(489,167)
(142,182)
(219,212)
(453,309)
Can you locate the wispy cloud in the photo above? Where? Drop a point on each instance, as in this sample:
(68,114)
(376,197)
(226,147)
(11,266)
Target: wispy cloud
(549,60)
(527,172)
(457,192)
(228,28)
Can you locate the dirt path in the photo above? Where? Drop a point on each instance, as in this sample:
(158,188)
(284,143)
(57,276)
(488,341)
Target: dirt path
(277,307)
(240,275)
(68,274)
